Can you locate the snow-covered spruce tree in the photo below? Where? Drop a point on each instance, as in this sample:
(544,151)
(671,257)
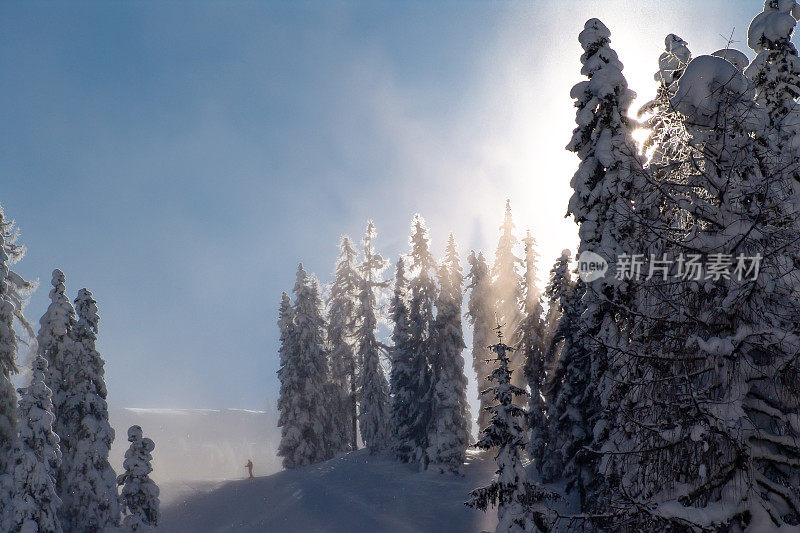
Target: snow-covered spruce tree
(666,134)
(286,328)
(373,390)
(8,366)
(666,145)
(558,286)
(776,68)
(288,343)
(89,491)
(139,494)
(530,340)
(672,62)
(18,288)
(558,283)
(341,333)
(303,402)
(519,502)
(570,401)
(714,444)
(530,289)
(13,296)
(449,433)
(480,312)
(400,376)
(776,74)
(54,342)
(606,180)
(665,221)
(413,423)
(507,289)
(35,459)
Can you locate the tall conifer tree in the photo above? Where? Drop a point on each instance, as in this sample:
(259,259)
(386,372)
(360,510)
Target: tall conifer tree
(412,433)
(518,501)
(8,365)
(530,340)
(449,433)
(286,328)
(400,381)
(139,494)
(373,417)
(35,459)
(558,282)
(342,306)
(89,490)
(54,343)
(776,69)
(569,399)
(712,438)
(19,289)
(13,297)
(601,205)
(481,316)
(507,289)
(304,418)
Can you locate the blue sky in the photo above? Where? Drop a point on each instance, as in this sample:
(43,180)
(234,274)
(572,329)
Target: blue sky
(180,158)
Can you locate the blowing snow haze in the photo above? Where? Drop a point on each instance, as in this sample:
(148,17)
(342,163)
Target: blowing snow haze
(202,444)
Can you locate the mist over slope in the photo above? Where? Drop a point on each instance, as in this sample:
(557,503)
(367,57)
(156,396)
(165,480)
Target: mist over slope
(201,444)
(354,492)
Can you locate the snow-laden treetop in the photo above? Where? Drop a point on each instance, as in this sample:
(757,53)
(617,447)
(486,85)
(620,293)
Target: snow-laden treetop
(135,435)
(86,308)
(708,82)
(776,23)
(605,84)
(59,314)
(673,60)
(734,57)
(597,55)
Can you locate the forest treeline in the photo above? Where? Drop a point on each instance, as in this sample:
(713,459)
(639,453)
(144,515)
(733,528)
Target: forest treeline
(666,402)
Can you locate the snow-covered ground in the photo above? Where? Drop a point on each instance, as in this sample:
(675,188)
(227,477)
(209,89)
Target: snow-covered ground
(352,493)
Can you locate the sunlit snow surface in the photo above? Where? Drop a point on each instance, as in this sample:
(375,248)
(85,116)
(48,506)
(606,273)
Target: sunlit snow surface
(352,493)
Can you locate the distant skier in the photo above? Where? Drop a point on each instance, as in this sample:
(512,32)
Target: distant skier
(249,467)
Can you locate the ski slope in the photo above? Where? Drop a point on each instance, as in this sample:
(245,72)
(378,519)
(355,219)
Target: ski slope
(352,493)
